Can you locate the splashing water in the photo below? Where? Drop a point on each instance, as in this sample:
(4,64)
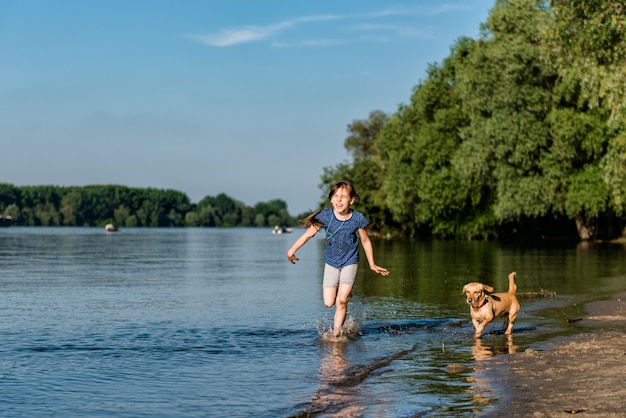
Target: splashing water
(352,327)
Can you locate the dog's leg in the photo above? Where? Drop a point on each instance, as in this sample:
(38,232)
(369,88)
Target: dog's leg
(510,318)
(506,323)
(479,327)
(509,328)
(515,306)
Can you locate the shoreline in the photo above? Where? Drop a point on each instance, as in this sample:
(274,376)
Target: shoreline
(580,374)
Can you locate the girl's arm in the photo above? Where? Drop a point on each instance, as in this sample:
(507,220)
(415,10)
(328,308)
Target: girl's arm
(304,238)
(369,253)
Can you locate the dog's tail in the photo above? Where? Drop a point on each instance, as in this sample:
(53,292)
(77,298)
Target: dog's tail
(512,285)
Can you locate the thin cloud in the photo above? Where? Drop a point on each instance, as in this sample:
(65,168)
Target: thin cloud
(420,10)
(246,34)
(230,37)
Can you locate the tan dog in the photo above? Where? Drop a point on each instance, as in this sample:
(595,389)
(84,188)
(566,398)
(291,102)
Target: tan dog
(485,306)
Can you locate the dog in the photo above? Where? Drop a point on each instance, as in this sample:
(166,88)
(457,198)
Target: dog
(485,306)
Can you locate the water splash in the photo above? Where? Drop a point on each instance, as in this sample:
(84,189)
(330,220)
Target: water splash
(352,327)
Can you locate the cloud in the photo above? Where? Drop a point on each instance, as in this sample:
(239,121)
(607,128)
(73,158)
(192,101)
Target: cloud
(246,34)
(236,36)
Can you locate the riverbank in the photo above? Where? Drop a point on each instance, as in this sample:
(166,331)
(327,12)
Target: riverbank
(582,374)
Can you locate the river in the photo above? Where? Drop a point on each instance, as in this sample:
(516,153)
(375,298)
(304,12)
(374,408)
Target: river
(216,322)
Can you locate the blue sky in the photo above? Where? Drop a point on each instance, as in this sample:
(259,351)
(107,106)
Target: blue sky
(246,97)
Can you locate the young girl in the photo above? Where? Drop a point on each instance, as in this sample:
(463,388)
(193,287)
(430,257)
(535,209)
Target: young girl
(341,253)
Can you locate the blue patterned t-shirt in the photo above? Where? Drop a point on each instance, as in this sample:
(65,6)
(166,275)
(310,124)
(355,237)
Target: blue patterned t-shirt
(342,239)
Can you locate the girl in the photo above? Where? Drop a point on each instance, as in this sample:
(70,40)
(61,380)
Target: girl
(341,253)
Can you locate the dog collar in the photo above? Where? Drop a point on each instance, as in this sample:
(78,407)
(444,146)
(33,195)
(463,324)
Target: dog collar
(484,302)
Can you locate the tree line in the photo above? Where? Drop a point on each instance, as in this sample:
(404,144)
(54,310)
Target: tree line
(123,206)
(517,133)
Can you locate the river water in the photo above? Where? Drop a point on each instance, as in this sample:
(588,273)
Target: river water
(216,322)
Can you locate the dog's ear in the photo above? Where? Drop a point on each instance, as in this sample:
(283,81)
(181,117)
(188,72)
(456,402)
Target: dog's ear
(464,290)
(488,288)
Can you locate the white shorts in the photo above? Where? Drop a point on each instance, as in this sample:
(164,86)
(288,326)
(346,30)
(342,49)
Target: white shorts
(333,276)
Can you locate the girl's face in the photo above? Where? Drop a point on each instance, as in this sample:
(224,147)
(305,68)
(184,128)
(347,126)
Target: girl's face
(341,200)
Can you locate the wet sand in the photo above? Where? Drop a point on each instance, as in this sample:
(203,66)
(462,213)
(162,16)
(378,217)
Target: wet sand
(584,374)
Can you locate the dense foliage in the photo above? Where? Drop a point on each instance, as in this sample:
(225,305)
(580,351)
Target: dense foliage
(130,207)
(519,132)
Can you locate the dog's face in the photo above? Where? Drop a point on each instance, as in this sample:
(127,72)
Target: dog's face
(475,293)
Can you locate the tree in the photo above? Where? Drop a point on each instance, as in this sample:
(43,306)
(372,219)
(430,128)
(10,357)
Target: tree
(494,140)
(192,219)
(422,188)
(587,40)
(9,194)
(507,96)
(259,220)
(121,215)
(365,172)
(71,207)
(13,211)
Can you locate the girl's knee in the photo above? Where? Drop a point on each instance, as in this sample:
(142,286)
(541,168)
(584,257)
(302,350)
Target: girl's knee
(329,304)
(342,302)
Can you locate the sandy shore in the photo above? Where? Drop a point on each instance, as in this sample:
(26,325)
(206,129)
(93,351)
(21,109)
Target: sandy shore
(584,374)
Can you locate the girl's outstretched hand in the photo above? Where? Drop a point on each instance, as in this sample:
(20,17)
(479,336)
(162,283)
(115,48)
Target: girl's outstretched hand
(292,258)
(380,270)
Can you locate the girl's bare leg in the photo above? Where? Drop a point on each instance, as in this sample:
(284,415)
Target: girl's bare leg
(341,308)
(330,295)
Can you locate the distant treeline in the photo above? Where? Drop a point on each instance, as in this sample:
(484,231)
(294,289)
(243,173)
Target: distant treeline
(124,206)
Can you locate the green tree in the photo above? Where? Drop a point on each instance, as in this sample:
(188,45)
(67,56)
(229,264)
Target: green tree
(422,188)
(364,172)
(148,214)
(273,212)
(132,221)
(586,38)
(259,220)
(121,215)
(507,95)
(494,140)
(273,220)
(9,195)
(27,217)
(13,211)
(45,214)
(71,207)
(192,219)
(227,212)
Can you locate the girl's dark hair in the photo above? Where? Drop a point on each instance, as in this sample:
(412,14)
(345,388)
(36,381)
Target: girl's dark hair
(310,220)
(348,186)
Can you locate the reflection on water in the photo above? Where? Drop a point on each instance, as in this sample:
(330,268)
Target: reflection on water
(339,382)
(485,351)
(336,395)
